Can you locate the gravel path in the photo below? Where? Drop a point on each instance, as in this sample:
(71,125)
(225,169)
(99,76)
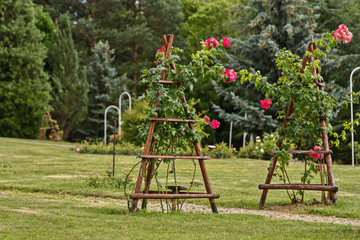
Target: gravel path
(273,214)
(190,207)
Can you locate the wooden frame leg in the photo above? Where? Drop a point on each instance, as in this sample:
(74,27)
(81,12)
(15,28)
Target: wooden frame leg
(267,181)
(331,180)
(148,182)
(138,184)
(207,186)
(328,160)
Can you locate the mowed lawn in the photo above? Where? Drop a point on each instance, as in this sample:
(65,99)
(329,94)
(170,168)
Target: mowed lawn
(44,194)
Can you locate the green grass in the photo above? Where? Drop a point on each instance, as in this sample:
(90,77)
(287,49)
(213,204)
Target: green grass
(43,191)
(44,216)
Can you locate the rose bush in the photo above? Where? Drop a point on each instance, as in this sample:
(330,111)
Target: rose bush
(297,84)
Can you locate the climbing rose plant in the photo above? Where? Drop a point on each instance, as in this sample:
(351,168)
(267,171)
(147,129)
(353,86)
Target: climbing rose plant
(169,137)
(165,100)
(299,85)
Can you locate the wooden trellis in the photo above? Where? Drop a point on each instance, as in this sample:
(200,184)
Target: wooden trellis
(330,187)
(44,127)
(176,192)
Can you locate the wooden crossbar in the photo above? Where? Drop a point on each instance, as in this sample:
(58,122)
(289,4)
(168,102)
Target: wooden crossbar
(175,157)
(172,196)
(318,187)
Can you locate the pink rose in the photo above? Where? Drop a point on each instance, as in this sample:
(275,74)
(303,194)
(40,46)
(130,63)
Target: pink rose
(320,168)
(142,148)
(162,49)
(207,119)
(316,155)
(211,42)
(265,104)
(226,42)
(343,34)
(183,131)
(77,149)
(230,74)
(215,124)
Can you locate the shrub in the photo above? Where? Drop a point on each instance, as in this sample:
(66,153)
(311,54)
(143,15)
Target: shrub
(107,180)
(122,148)
(221,150)
(132,119)
(260,150)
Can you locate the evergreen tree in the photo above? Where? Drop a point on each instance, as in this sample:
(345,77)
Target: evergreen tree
(24,87)
(245,115)
(275,24)
(105,87)
(70,86)
(133,28)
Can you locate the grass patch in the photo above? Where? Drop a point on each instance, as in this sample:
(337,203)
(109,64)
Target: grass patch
(43,185)
(44,216)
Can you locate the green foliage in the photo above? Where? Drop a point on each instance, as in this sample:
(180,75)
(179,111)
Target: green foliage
(259,150)
(132,28)
(221,150)
(205,20)
(338,69)
(123,148)
(297,91)
(261,28)
(245,115)
(70,86)
(24,87)
(276,24)
(131,120)
(45,24)
(172,136)
(105,87)
(108,181)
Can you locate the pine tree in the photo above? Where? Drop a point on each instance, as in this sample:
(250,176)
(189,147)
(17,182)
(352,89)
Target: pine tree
(24,87)
(70,86)
(245,114)
(105,87)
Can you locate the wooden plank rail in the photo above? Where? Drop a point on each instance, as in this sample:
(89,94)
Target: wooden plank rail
(303,151)
(172,120)
(172,196)
(300,187)
(168,82)
(175,157)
